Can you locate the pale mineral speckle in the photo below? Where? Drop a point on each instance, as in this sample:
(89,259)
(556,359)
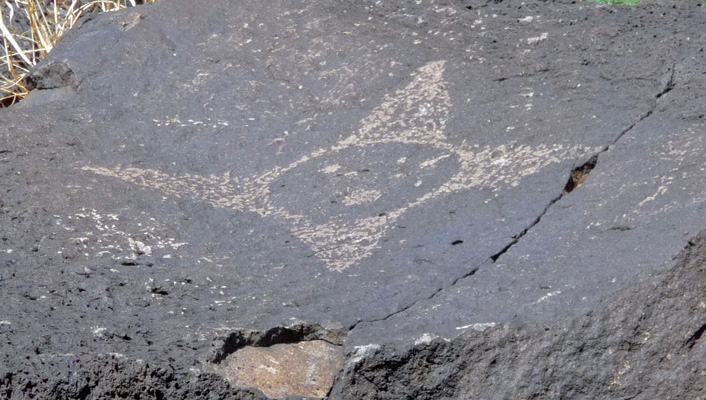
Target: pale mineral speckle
(361,196)
(537,39)
(426,338)
(330,169)
(547,296)
(477,327)
(431,162)
(360,352)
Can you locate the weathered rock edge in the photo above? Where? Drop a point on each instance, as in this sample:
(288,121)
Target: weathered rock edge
(645,342)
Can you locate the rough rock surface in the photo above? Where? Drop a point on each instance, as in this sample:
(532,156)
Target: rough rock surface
(396,178)
(643,343)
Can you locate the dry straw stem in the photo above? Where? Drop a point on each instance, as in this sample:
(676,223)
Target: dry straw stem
(46,21)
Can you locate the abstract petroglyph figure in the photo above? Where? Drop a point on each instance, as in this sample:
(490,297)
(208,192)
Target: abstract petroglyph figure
(406,120)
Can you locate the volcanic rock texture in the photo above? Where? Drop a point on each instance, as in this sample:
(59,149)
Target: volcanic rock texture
(359,200)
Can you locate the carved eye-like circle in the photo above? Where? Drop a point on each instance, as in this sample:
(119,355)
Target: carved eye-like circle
(362,181)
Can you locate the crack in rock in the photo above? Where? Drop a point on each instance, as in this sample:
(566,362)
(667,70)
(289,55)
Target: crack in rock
(579,174)
(577,177)
(605,351)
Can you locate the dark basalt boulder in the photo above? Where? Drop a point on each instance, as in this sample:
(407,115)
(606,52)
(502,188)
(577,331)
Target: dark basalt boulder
(644,342)
(358,199)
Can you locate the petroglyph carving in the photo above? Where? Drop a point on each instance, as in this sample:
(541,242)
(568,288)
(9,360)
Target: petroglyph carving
(407,120)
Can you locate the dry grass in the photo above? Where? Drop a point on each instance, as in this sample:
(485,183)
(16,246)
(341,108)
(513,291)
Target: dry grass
(31,28)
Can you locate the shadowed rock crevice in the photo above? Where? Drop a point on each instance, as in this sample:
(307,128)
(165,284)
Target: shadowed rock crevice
(696,336)
(239,339)
(51,75)
(579,175)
